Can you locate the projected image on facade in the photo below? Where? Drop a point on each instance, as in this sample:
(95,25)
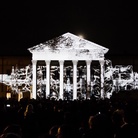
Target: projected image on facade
(69,67)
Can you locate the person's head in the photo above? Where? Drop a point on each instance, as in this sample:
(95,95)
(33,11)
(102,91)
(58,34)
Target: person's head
(118,117)
(53,130)
(90,121)
(65,131)
(100,125)
(11,130)
(29,109)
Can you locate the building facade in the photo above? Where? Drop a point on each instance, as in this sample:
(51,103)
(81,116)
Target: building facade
(67,47)
(67,67)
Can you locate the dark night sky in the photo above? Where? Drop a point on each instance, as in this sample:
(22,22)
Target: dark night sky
(110,24)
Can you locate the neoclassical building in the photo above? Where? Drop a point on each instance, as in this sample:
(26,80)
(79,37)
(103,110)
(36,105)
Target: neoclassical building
(67,47)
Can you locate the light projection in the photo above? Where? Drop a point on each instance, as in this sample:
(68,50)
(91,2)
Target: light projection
(124,77)
(68,47)
(19,80)
(70,81)
(116,79)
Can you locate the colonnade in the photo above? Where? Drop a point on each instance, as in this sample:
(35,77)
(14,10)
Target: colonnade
(61,64)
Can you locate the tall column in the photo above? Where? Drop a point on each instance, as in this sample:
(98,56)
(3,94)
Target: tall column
(34,62)
(102,78)
(75,79)
(61,62)
(47,78)
(88,63)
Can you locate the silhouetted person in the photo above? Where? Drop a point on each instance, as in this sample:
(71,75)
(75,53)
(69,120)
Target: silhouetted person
(66,131)
(99,127)
(30,122)
(12,131)
(122,129)
(53,131)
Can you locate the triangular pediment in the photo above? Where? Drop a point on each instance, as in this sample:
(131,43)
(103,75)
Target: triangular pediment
(68,41)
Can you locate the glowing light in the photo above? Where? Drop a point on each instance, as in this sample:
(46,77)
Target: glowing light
(81,36)
(8,95)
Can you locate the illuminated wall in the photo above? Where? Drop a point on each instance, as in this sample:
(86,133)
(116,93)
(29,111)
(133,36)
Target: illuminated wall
(72,81)
(118,78)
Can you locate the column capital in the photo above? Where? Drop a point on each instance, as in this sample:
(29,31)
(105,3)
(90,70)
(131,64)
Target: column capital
(47,61)
(34,62)
(74,62)
(61,61)
(88,62)
(101,62)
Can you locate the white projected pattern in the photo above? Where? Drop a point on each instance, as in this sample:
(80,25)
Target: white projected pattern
(70,82)
(115,79)
(68,46)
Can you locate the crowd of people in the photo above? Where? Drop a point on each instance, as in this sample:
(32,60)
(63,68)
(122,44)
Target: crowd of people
(45,118)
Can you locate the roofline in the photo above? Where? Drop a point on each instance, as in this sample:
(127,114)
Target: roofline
(102,47)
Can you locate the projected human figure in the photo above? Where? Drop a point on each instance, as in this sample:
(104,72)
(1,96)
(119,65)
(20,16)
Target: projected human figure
(68,85)
(68,89)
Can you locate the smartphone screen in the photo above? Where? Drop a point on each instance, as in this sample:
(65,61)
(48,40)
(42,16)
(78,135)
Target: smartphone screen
(8,105)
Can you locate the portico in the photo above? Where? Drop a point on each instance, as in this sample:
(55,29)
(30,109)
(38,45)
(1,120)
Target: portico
(67,47)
